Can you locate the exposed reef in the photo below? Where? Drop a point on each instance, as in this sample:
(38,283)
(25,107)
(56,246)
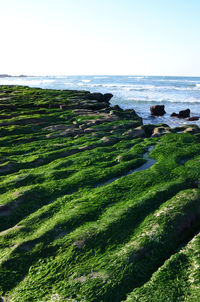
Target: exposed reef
(95,206)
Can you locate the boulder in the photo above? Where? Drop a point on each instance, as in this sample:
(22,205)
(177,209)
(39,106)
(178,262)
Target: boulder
(99,97)
(148,129)
(184,113)
(174,114)
(157,110)
(193,118)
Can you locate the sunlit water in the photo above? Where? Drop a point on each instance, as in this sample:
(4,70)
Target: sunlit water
(137,92)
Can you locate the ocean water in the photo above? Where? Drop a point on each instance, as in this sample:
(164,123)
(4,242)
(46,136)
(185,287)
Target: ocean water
(137,92)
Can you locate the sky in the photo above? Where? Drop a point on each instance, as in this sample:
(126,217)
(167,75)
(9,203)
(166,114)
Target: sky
(100,37)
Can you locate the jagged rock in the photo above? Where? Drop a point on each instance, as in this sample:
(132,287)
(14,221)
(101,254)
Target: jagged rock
(107,97)
(157,110)
(184,113)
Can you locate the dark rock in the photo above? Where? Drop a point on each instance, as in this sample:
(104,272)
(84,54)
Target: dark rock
(193,118)
(184,113)
(148,129)
(107,97)
(174,114)
(157,110)
(95,96)
(116,107)
(99,97)
(4,210)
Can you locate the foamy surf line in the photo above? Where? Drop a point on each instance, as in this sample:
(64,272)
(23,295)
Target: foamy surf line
(25,82)
(132,87)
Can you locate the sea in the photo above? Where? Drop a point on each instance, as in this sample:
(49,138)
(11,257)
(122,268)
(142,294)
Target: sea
(130,92)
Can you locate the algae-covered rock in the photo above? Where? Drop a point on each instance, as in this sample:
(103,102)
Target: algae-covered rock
(95,206)
(134,133)
(158,131)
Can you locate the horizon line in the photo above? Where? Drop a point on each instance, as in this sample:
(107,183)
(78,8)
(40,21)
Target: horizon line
(100,75)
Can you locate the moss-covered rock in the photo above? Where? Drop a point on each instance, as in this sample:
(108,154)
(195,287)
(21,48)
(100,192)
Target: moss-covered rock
(94,205)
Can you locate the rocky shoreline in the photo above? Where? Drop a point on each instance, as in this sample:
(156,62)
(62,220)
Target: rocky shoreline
(95,206)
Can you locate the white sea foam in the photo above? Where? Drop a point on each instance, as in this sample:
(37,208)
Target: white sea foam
(178,80)
(164,100)
(19,81)
(137,78)
(135,87)
(61,77)
(101,77)
(69,83)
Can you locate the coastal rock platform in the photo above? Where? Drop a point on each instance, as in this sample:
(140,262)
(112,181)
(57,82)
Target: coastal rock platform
(95,206)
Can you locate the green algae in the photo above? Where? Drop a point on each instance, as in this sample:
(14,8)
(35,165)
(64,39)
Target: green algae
(75,224)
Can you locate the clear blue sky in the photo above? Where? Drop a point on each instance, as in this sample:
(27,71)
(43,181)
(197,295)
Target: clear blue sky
(143,37)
